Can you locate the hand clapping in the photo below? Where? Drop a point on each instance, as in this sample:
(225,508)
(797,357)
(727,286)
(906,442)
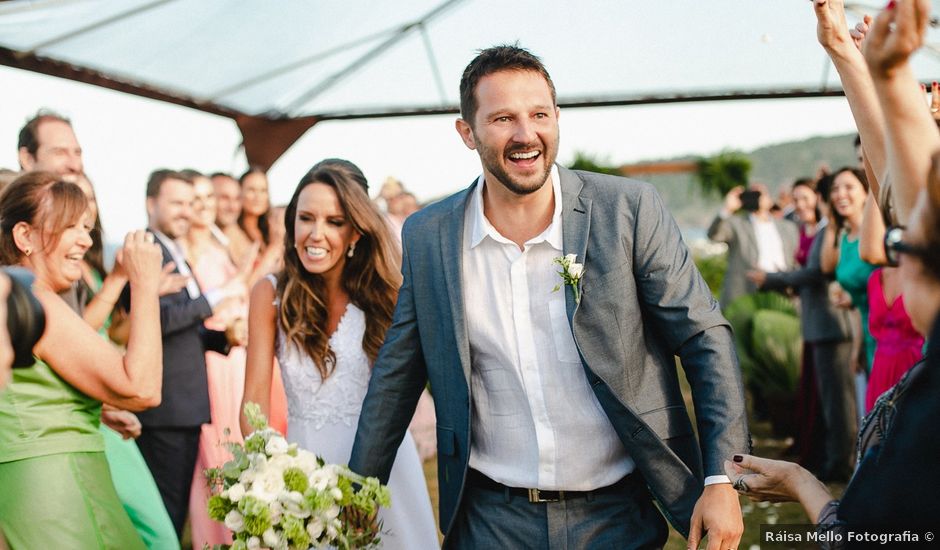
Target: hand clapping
(141,259)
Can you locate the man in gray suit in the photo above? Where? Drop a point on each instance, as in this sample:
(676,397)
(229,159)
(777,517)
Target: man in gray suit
(559,414)
(755,241)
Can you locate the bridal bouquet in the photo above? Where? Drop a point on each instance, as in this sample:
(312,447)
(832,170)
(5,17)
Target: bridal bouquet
(274,495)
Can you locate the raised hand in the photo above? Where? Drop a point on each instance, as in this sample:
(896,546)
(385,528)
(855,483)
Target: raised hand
(236,332)
(733,200)
(171,283)
(861,31)
(896,34)
(832,30)
(141,259)
(117,269)
(757,277)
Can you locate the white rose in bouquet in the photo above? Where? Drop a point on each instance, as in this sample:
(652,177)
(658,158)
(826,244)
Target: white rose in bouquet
(236,492)
(315,528)
(268,485)
(270,538)
(235,521)
(306,461)
(277,445)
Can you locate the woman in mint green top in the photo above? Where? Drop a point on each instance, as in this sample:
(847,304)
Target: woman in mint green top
(847,196)
(55,487)
(852,274)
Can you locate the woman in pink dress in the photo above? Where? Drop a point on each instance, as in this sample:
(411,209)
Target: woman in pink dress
(899,346)
(213,268)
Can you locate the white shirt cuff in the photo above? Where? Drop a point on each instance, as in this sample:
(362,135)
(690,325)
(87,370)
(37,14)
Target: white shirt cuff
(714,480)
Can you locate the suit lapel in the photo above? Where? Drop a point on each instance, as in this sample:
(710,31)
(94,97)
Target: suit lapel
(575,223)
(452,260)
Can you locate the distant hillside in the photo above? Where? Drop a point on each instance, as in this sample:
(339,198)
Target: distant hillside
(774,164)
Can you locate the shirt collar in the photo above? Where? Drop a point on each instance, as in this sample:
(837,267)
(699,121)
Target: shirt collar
(480,227)
(756,220)
(169,243)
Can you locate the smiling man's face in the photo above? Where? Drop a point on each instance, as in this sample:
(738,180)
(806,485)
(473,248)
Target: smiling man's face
(515,129)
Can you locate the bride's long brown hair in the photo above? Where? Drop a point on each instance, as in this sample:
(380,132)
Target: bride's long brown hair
(371,277)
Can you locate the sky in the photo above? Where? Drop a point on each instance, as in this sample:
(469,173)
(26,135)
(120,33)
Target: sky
(126,137)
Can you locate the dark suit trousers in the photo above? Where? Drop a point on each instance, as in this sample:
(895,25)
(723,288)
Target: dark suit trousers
(624,520)
(837,401)
(170,454)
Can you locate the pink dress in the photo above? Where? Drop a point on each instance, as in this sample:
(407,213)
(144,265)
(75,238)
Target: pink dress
(226,375)
(898,347)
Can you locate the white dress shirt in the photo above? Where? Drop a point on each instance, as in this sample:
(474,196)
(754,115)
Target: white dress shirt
(535,423)
(213,296)
(770,256)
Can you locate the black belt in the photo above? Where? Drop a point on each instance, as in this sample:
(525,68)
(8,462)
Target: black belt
(480,481)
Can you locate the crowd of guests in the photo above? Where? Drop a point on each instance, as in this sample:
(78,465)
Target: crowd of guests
(866,248)
(127,421)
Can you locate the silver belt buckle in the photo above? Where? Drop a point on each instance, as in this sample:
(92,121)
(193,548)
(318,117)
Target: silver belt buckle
(536,496)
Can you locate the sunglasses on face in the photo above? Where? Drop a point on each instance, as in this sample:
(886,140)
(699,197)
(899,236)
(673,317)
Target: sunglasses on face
(895,246)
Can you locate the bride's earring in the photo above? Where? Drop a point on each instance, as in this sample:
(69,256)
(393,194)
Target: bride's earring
(28,251)
(352,250)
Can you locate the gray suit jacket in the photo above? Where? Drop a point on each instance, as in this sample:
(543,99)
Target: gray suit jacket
(642,302)
(821,321)
(738,232)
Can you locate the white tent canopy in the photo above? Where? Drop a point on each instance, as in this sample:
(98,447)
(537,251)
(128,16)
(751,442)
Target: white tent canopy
(278,68)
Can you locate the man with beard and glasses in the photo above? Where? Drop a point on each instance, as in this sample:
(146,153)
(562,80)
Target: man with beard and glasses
(559,414)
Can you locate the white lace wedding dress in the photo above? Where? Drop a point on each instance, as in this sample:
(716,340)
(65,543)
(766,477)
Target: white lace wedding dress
(322,418)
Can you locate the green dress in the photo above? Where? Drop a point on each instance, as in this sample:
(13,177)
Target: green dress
(853,273)
(55,486)
(133,481)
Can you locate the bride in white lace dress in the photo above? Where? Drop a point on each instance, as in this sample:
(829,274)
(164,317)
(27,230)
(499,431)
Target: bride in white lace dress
(324,317)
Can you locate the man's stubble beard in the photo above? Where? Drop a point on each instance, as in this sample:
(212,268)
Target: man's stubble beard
(491,163)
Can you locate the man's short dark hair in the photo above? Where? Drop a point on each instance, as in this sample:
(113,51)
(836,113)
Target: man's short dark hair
(29,137)
(191,174)
(157,177)
(505,57)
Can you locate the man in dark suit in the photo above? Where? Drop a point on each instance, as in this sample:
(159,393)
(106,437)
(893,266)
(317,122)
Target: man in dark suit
(559,414)
(170,437)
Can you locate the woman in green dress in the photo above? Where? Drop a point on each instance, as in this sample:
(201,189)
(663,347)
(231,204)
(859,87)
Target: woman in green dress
(57,490)
(133,481)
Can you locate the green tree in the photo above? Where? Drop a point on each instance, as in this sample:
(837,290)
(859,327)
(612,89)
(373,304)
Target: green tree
(719,174)
(584,161)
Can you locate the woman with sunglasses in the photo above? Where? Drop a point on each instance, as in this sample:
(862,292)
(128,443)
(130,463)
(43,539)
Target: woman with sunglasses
(897,476)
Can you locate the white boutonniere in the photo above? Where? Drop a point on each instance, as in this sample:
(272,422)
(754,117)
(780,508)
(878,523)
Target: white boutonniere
(570,273)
